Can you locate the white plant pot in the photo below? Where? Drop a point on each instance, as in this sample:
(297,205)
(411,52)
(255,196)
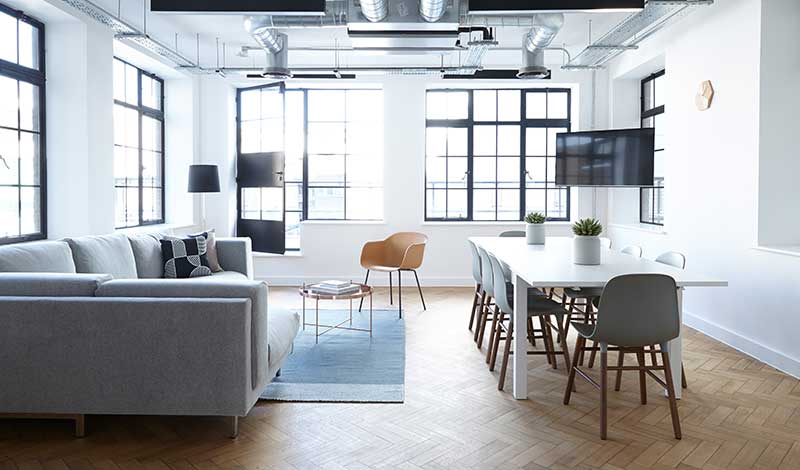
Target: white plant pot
(534,233)
(586,250)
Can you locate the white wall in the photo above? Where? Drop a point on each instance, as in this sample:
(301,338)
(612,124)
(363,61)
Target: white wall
(712,174)
(332,249)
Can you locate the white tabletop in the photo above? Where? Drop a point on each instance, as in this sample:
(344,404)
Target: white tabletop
(550,265)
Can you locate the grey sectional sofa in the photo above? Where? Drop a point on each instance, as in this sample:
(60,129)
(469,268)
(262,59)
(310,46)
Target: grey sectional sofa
(88,327)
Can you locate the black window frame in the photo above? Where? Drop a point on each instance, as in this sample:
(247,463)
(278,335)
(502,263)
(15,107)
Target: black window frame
(525,123)
(159,116)
(657,190)
(37,78)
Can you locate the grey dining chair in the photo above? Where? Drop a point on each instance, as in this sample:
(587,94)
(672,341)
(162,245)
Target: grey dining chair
(486,305)
(513,234)
(538,306)
(623,324)
(634,250)
(477,299)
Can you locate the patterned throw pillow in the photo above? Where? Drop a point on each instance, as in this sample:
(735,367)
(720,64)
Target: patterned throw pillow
(211,247)
(185,257)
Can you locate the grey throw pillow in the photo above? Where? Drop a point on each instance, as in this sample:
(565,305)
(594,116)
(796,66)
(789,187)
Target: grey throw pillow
(147,253)
(104,254)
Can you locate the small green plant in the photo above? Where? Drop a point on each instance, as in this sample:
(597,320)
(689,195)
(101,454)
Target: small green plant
(587,228)
(534,218)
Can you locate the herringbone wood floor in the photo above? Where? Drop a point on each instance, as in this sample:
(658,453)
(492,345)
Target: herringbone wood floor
(737,413)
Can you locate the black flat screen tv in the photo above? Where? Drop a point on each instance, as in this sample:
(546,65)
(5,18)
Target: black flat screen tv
(620,157)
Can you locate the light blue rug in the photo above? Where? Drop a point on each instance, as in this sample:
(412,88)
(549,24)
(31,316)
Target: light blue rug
(346,366)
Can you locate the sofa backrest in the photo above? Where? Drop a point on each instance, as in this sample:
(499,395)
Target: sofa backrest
(37,257)
(147,254)
(50,284)
(104,254)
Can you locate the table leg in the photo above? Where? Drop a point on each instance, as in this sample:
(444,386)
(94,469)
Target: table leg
(676,350)
(520,362)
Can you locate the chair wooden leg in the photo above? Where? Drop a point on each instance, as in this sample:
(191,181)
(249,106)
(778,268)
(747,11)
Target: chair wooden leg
(496,343)
(531,332)
(233,426)
(673,402)
(361,303)
(504,366)
(479,318)
(603,391)
(576,353)
(80,426)
(653,354)
(419,288)
(474,305)
(564,346)
(548,341)
(683,377)
(594,343)
(484,318)
(620,362)
(493,331)
(642,377)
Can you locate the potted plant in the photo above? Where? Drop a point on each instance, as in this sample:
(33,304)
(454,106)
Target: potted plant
(534,228)
(587,241)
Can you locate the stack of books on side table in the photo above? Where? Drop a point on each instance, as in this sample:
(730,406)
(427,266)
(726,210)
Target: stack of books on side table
(334,288)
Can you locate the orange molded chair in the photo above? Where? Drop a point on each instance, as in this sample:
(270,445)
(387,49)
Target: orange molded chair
(402,251)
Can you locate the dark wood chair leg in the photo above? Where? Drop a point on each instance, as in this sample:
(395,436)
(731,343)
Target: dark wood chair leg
(576,353)
(620,362)
(361,303)
(474,305)
(484,319)
(593,354)
(564,346)
(493,331)
(548,341)
(419,288)
(479,318)
(642,377)
(603,392)
(673,402)
(496,342)
(80,426)
(504,366)
(683,377)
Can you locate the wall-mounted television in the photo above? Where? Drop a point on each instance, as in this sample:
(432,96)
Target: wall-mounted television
(620,157)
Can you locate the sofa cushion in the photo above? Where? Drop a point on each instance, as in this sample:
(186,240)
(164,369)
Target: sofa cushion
(211,249)
(185,257)
(147,254)
(283,327)
(37,257)
(50,284)
(104,254)
(227,276)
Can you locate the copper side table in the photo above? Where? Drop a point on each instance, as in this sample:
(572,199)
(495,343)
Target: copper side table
(364,291)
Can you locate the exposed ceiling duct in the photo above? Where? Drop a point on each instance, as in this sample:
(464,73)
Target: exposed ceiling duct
(432,10)
(546,27)
(275,45)
(374,10)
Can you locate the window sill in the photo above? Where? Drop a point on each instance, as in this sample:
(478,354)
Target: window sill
(653,229)
(518,224)
(157,228)
(288,254)
(343,222)
(787,250)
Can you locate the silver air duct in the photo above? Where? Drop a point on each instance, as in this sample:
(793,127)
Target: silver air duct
(374,10)
(432,10)
(546,27)
(275,44)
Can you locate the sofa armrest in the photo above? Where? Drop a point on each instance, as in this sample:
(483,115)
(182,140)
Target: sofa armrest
(208,288)
(236,254)
(50,284)
(125,356)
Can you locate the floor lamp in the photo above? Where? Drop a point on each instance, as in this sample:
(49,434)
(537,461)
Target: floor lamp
(203,179)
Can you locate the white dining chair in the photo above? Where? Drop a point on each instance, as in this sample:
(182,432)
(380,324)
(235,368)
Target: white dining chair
(634,250)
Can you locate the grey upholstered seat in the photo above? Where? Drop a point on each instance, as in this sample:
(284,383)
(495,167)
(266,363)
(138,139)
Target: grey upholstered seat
(583,292)
(513,234)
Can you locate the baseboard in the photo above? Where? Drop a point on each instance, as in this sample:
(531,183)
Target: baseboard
(763,353)
(380,280)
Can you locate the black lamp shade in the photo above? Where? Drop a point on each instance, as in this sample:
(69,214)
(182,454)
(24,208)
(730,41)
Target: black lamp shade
(203,179)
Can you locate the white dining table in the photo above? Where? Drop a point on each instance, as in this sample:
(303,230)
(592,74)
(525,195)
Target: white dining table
(551,265)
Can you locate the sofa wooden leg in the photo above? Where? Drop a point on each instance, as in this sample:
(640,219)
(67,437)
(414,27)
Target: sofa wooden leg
(233,426)
(80,426)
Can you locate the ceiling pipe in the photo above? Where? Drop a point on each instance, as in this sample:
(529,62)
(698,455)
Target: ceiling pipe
(275,44)
(432,10)
(546,27)
(374,10)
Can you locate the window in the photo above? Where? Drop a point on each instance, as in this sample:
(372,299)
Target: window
(22,134)
(333,142)
(490,154)
(651,200)
(138,146)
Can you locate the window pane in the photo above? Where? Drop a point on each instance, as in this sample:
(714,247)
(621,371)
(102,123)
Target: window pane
(535,200)
(272,135)
(436,203)
(659,164)
(119,208)
(28,159)
(536,142)
(131,85)
(294,197)
(364,105)
(326,138)
(457,105)
(536,168)
(484,140)
(251,138)
(294,169)
(647,95)
(28,47)
(151,169)
(483,204)
(365,203)
(326,203)
(9,103)
(29,106)
(151,133)
(435,172)
(365,138)
(457,141)
(485,105)
(119,80)
(508,172)
(658,91)
(151,92)
(326,105)
(151,204)
(31,217)
(557,106)
(508,140)
(436,105)
(436,142)
(364,170)
(271,103)
(293,230)
(251,203)
(131,207)
(508,204)
(485,172)
(9,156)
(272,204)
(457,172)
(325,169)
(8,38)
(536,105)
(132,167)
(659,122)
(508,105)
(457,204)
(551,140)
(9,212)
(646,205)
(557,203)
(250,103)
